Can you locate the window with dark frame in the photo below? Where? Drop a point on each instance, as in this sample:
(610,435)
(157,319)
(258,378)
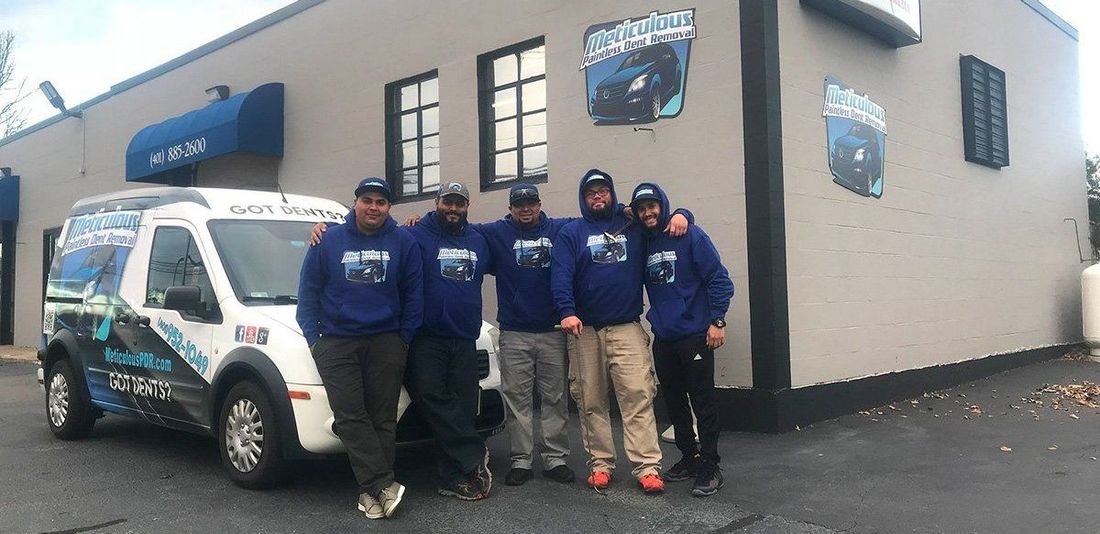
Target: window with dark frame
(985,113)
(512,111)
(412,135)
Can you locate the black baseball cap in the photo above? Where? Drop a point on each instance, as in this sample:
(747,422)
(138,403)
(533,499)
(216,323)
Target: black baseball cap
(523,192)
(644,191)
(374,184)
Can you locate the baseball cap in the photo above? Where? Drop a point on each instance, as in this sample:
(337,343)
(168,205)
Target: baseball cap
(644,192)
(454,188)
(374,184)
(523,192)
(596,177)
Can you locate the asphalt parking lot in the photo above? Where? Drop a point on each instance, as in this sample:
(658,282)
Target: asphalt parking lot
(938,464)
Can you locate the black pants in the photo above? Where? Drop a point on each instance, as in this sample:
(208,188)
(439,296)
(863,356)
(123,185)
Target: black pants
(442,380)
(686,368)
(362,377)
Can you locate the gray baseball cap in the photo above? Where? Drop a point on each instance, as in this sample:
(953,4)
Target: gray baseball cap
(454,188)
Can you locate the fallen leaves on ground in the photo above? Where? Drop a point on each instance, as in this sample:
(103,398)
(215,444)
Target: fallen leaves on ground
(1006,449)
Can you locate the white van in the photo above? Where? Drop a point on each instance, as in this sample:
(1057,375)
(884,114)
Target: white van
(176,306)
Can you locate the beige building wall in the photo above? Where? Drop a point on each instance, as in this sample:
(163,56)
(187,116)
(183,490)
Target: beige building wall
(956,261)
(335,59)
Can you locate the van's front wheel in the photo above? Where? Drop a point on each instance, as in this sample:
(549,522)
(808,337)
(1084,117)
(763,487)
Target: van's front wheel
(68,410)
(248,437)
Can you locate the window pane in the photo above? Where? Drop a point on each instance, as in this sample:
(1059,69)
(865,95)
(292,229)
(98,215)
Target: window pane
(505,131)
(534,95)
(408,154)
(504,103)
(532,62)
(534,160)
(431,178)
(506,165)
(409,182)
(534,128)
(429,91)
(408,97)
(166,262)
(408,126)
(431,149)
(430,121)
(505,70)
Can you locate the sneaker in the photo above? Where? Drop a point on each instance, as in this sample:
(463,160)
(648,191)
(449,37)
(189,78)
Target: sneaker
(390,497)
(599,480)
(685,469)
(517,476)
(561,473)
(484,475)
(708,481)
(467,490)
(652,483)
(370,506)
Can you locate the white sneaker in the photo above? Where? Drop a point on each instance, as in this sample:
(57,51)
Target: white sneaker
(390,497)
(371,507)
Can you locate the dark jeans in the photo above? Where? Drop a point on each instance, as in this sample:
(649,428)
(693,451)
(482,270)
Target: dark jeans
(442,381)
(362,377)
(686,368)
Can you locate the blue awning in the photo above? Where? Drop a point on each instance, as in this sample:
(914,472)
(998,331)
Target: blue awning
(246,122)
(9,198)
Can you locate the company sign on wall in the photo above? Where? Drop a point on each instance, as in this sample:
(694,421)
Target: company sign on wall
(635,69)
(895,21)
(856,130)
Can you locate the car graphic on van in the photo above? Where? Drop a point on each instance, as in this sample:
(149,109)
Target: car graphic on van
(639,89)
(177,306)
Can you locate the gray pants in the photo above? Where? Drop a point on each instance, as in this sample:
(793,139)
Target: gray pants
(528,361)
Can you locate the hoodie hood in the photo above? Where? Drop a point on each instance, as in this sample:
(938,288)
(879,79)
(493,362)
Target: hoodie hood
(387,227)
(645,190)
(596,173)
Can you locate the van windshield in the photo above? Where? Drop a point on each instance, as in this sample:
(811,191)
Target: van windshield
(262,258)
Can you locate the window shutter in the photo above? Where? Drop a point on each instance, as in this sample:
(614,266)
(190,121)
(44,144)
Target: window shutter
(985,113)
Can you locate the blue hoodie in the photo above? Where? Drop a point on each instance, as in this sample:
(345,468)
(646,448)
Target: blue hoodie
(595,278)
(454,266)
(524,302)
(688,286)
(353,284)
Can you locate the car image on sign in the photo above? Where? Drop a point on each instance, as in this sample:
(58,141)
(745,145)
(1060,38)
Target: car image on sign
(639,89)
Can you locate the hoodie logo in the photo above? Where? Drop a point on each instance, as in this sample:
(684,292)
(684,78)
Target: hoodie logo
(533,253)
(457,264)
(660,268)
(366,266)
(606,250)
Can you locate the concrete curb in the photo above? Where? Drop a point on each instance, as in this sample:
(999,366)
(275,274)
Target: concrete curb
(18,354)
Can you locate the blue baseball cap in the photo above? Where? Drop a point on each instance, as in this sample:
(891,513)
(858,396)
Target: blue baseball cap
(374,184)
(523,192)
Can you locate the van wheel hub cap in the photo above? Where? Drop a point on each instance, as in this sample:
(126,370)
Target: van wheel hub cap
(244,435)
(59,400)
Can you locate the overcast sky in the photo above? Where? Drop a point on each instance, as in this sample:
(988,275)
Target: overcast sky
(86,46)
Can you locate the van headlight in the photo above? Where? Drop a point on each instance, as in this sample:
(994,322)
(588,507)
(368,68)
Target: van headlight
(638,84)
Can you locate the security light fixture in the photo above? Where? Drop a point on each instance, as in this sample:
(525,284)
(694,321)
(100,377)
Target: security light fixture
(56,101)
(217,93)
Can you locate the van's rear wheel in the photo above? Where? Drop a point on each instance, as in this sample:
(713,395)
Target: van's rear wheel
(248,437)
(68,411)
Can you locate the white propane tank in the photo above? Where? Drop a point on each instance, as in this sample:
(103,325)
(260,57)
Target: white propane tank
(1090,308)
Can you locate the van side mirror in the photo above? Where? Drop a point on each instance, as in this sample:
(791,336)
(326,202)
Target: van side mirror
(182,298)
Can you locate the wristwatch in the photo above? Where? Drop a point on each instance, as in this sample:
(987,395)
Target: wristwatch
(720,323)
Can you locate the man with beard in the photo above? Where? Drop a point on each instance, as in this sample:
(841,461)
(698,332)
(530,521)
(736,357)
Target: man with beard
(689,294)
(360,350)
(596,280)
(442,370)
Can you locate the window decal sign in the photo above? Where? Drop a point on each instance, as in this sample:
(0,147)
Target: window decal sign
(856,130)
(635,69)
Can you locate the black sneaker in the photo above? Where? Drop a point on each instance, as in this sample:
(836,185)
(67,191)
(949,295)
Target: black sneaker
(467,490)
(708,481)
(484,475)
(517,476)
(561,473)
(685,469)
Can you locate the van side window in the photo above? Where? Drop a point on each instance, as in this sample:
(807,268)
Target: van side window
(175,261)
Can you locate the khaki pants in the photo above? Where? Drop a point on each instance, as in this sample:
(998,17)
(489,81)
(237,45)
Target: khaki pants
(619,352)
